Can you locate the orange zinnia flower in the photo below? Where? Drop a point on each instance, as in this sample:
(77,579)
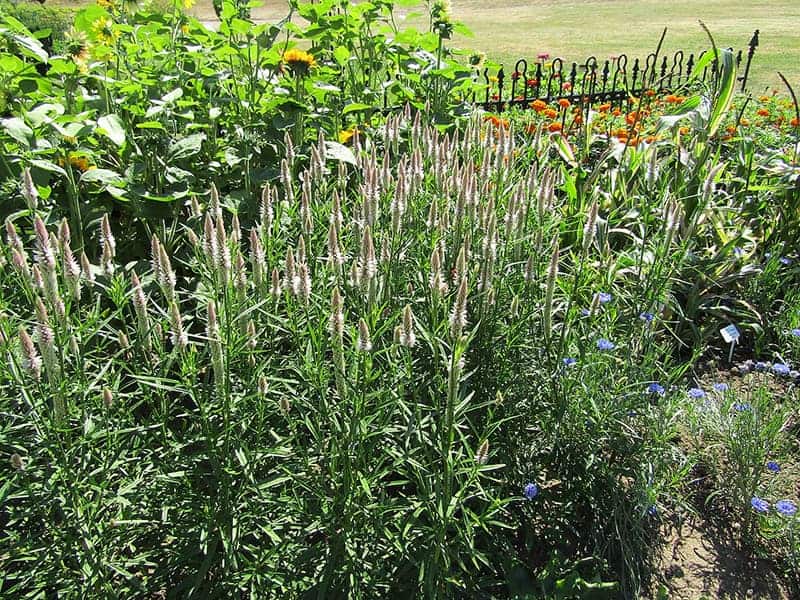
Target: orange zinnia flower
(604,107)
(551,113)
(564,103)
(762,112)
(617,112)
(553,127)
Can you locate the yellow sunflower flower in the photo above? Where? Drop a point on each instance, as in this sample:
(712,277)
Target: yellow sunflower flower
(347,134)
(299,61)
(103,29)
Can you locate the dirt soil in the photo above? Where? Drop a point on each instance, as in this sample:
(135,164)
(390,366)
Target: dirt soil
(698,561)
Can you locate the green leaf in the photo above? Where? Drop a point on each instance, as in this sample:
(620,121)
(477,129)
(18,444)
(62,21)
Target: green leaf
(46,165)
(336,151)
(186,147)
(341,54)
(102,176)
(111,126)
(172,96)
(355,107)
(725,93)
(17,129)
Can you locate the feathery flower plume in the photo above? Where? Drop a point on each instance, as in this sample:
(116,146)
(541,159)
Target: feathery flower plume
(236,230)
(86,268)
(109,245)
(305,283)
(210,248)
(140,310)
(178,336)
(17,462)
(436,280)
(252,337)
(289,275)
(70,266)
(458,315)
(267,213)
(31,361)
(166,276)
(240,280)
(407,336)
(46,339)
(364,342)
(29,191)
(275,283)
(108,398)
(224,263)
(213,202)
(257,259)
(336,324)
(286,181)
(335,256)
(368,265)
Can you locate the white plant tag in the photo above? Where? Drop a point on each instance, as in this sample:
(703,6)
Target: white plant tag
(730,334)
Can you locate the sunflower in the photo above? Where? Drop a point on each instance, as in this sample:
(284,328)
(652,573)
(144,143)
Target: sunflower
(77,48)
(347,134)
(299,61)
(103,29)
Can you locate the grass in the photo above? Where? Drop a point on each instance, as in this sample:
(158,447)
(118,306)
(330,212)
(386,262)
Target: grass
(507,30)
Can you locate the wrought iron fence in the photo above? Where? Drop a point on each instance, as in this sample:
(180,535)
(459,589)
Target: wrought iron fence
(614,81)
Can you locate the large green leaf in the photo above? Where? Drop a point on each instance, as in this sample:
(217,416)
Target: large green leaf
(186,147)
(111,126)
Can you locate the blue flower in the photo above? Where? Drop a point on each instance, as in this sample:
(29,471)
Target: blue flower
(585,312)
(738,252)
(761,366)
(604,297)
(652,511)
(530,491)
(568,362)
(721,387)
(786,508)
(759,505)
(604,344)
(655,388)
(647,317)
(773,467)
(796,332)
(696,393)
(742,406)
(785,261)
(780,369)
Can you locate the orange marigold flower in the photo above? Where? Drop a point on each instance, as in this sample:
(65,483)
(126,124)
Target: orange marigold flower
(553,127)
(650,93)
(634,141)
(795,122)
(617,112)
(764,98)
(744,122)
(567,86)
(730,128)
(538,105)
(683,130)
(604,107)
(578,119)
(532,82)
(564,103)
(551,113)
(762,112)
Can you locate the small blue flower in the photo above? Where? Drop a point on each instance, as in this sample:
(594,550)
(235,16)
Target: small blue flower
(721,387)
(761,366)
(759,505)
(796,332)
(604,344)
(742,406)
(652,511)
(773,467)
(780,369)
(647,317)
(604,297)
(785,261)
(768,255)
(655,388)
(585,312)
(530,491)
(696,393)
(738,252)
(786,508)
(568,362)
